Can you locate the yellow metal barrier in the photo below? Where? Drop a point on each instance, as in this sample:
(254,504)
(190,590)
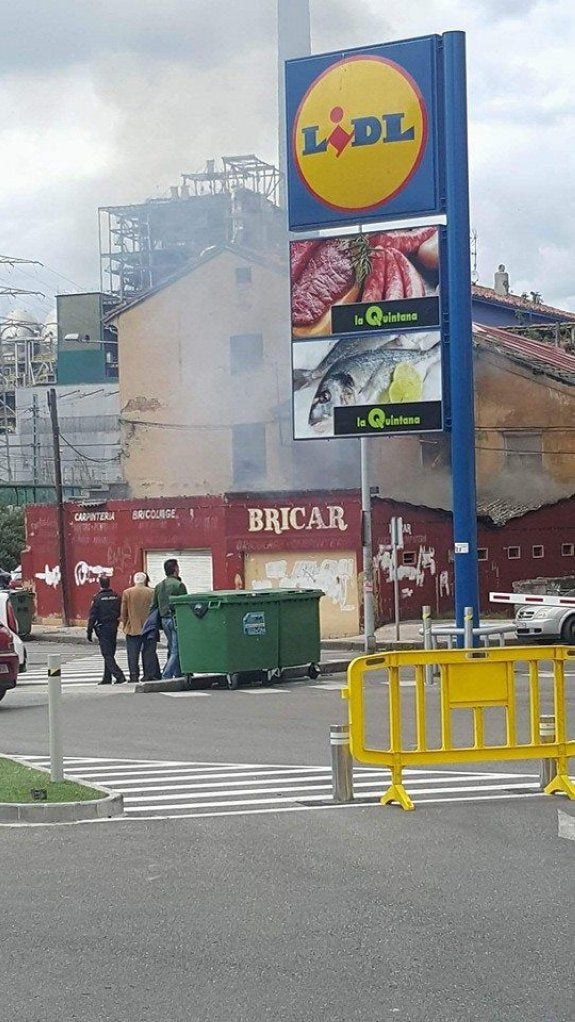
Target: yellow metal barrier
(470,679)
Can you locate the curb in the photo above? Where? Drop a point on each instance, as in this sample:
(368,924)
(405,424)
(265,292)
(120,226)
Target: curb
(64,812)
(208,680)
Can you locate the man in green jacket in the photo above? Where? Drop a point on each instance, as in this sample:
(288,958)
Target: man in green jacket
(171,585)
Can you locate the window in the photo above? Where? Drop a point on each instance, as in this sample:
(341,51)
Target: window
(408,557)
(514,553)
(243,274)
(538,551)
(249,454)
(567,549)
(523,450)
(435,453)
(246,353)
(482,553)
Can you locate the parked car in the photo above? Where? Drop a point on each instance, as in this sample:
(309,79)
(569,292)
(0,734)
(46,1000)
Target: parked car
(9,661)
(546,624)
(8,620)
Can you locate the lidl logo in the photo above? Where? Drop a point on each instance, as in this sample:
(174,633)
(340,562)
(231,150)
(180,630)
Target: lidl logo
(359,133)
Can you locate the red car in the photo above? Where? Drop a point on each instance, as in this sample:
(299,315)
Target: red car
(9,663)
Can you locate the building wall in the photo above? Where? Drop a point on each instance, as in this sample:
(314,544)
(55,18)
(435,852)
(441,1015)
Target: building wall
(175,369)
(183,398)
(307,540)
(510,398)
(491,313)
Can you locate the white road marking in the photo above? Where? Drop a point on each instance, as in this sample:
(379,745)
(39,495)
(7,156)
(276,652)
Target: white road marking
(185,695)
(154,789)
(565,825)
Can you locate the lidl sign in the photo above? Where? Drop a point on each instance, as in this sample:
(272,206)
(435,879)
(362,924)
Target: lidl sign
(363,135)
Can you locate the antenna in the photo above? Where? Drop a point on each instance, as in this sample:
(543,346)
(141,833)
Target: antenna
(474,273)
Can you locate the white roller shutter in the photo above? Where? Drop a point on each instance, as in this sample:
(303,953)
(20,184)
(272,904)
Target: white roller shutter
(195,568)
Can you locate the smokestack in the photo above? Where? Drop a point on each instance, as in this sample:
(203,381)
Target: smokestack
(501,285)
(294,40)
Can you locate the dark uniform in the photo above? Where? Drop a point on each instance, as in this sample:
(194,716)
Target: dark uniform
(103,620)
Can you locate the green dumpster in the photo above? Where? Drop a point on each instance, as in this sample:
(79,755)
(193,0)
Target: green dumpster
(22,603)
(299,634)
(238,632)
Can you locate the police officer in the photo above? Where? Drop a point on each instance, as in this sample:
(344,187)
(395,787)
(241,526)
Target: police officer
(103,620)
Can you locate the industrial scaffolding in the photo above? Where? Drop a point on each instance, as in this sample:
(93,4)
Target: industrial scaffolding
(142,245)
(27,359)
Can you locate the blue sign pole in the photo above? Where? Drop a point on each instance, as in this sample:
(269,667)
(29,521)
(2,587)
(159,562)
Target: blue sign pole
(460,329)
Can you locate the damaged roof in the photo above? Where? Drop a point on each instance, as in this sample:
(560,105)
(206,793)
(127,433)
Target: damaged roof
(495,509)
(538,356)
(488,294)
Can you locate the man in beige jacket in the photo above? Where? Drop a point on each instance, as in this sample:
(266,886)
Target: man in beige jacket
(136,604)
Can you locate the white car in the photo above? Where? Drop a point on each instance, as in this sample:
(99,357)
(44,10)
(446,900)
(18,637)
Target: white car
(8,619)
(546,624)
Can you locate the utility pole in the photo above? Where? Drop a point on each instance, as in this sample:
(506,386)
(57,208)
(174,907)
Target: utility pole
(35,438)
(53,406)
(369,642)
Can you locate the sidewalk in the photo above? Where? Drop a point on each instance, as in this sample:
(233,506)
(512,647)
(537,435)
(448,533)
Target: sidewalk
(385,636)
(410,636)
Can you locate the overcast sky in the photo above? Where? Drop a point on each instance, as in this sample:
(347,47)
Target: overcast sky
(104,102)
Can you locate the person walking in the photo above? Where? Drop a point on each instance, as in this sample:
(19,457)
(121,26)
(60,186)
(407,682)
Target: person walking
(171,585)
(103,619)
(134,611)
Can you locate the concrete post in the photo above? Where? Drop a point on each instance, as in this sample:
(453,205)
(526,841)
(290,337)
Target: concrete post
(341,763)
(55,717)
(548,767)
(468,628)
(427,641)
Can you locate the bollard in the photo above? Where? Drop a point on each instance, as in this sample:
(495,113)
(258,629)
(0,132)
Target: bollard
(548,767)
(55,717)
(427,641)
(341,763)
(468,628)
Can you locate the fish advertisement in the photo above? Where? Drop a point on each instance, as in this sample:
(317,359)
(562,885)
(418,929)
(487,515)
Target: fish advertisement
(366,339)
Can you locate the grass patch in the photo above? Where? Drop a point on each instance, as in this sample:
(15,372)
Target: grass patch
(17,781)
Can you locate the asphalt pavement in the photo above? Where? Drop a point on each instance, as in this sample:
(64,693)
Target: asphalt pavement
(234,891)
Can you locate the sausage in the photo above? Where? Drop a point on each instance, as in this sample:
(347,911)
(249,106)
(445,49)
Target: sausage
(394,282)
(413,286)
(407,241)
(375,282)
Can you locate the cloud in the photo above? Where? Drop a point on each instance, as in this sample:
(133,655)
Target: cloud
(105,102)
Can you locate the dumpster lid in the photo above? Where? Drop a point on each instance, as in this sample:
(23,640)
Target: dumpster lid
(246,596)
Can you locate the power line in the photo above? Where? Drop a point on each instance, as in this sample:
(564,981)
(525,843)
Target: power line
(86,457)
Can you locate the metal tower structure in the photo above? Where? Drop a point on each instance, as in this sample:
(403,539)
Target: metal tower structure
(142,245)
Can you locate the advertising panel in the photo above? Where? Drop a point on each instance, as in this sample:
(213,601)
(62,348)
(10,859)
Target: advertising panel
(362,134)
(366,339)
(365,282)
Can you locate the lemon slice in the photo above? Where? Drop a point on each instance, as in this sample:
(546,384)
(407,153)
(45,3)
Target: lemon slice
(406,384)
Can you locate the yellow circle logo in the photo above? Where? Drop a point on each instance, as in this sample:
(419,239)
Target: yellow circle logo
(359,133)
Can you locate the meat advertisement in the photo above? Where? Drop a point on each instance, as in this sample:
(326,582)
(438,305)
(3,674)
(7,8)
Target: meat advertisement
(366,347)
(328,274)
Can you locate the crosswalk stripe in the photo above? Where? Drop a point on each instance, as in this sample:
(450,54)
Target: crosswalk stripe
(155,789)
(88,670)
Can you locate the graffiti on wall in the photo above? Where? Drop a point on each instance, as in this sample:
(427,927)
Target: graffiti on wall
(84,574)
(415,573)
(51,576)
(333,575)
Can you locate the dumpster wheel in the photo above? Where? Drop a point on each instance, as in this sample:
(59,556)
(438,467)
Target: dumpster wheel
(233,681)
(270,677)
(313,671)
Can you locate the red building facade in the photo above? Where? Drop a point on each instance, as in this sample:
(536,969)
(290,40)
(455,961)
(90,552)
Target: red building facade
(310,540)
